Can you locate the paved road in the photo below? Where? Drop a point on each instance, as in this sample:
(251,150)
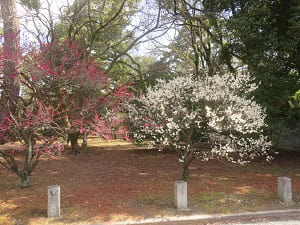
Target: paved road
(261,222)
(288,219)
(276,217)
(279,219)
(290,222)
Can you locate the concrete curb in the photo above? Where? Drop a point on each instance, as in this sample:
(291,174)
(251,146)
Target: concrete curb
(206,217)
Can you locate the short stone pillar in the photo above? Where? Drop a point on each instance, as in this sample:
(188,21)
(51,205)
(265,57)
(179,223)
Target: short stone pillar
(181,195)
(285,190)
(53,201)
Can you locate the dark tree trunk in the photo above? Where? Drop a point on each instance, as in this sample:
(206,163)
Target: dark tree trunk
(73,138)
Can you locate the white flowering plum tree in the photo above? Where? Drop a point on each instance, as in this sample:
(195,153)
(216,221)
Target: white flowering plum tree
(204,118)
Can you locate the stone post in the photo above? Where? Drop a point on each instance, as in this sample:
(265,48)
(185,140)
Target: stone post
(285,190)
(53,201)
(181,195)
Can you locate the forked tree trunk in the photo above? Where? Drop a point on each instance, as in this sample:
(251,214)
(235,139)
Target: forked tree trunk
(31,161)
(11,164)
(28,165)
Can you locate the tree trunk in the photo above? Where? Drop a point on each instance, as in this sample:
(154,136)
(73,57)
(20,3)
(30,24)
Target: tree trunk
(84,142)
(25,180)
(73,138)
(185,166)
(11,45)
(185,173)
(75,146)
(27,165)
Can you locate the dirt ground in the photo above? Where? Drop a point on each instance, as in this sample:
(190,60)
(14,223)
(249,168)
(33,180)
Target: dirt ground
(119,181)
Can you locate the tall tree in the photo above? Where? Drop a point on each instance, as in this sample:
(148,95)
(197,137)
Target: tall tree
(200,39)
(260,34)
(9,77)
(267,40)
(108,30)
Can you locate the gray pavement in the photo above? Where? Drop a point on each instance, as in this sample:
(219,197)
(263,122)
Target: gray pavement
(290,222)
(273,217)
(277,219)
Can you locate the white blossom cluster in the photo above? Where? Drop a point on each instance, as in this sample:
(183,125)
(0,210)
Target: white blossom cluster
(208,117)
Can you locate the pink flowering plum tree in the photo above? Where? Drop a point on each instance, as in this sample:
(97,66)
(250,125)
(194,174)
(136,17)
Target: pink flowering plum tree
(62,92)
(31,124)
(82,94)
(204,118)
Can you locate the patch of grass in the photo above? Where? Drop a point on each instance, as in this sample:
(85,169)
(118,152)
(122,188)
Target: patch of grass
(97,142)
(211,202)
(5,219)
(73,214)
(12,218)
(211,196)
(220,202)
(161,200)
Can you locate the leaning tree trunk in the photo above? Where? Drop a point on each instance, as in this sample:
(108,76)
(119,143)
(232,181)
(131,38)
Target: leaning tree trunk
(11,86)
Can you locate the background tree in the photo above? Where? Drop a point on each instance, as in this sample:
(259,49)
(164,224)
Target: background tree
(9,76)
(201,36)
(261,35)
(267,40)
(108,30)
